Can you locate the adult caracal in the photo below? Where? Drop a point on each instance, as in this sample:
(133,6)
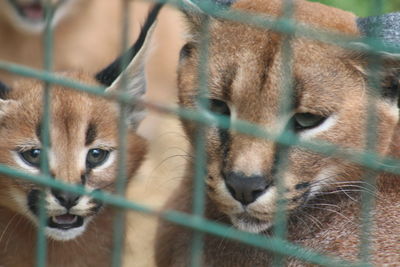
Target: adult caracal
(331,93)
(83,150)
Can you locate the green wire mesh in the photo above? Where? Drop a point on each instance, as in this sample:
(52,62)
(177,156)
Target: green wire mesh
(277,244)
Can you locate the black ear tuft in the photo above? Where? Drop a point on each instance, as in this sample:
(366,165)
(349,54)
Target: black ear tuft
(111,73)
(4,90)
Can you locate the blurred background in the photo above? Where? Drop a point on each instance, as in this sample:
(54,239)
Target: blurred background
(87,37)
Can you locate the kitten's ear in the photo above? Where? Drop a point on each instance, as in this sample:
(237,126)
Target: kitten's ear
(134,73)
(386,28)
(193,10)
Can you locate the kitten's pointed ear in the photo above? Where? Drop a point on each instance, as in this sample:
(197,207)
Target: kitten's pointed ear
(386,28)
(134,73)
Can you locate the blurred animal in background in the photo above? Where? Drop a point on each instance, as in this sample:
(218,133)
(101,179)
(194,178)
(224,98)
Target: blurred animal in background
(87,35)
(330,102)
(83,150)
(29,15)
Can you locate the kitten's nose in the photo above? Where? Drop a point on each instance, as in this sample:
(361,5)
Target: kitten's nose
(66,199)
(246,189)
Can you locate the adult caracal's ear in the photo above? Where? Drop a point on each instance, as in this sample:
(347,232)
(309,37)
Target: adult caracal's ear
(387,29)
(134,73)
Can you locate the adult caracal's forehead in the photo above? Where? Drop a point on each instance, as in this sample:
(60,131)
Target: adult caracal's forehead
(310,13)
(245,62)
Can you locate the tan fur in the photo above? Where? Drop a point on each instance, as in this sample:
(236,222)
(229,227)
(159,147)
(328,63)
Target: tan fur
(80,41)
(245,72)
(71,113)
(89,36)
(19,242)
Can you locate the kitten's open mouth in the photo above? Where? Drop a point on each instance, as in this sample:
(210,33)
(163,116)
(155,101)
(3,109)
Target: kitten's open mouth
(65,221)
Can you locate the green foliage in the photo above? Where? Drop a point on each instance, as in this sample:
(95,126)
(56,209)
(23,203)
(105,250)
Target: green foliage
(364,8)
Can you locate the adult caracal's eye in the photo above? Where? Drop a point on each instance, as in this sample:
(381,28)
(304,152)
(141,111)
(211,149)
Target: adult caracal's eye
(32,156)
(96,157)
(219,107)
(304,121)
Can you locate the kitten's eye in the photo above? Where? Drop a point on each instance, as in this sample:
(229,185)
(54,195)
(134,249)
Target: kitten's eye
(96,157)
(219,107)
(32,157)
(304,121)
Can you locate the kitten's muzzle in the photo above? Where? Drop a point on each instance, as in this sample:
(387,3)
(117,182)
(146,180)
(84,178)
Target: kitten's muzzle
(65,199)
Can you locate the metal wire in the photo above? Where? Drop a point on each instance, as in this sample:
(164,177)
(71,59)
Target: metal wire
(277,244)
(120,215)
(200,149)
(374,68)
(41,247)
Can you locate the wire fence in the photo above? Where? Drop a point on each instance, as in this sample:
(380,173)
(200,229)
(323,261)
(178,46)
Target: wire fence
(277,243)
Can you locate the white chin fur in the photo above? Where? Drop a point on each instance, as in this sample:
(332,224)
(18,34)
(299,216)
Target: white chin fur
(65,235)
(251,227)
